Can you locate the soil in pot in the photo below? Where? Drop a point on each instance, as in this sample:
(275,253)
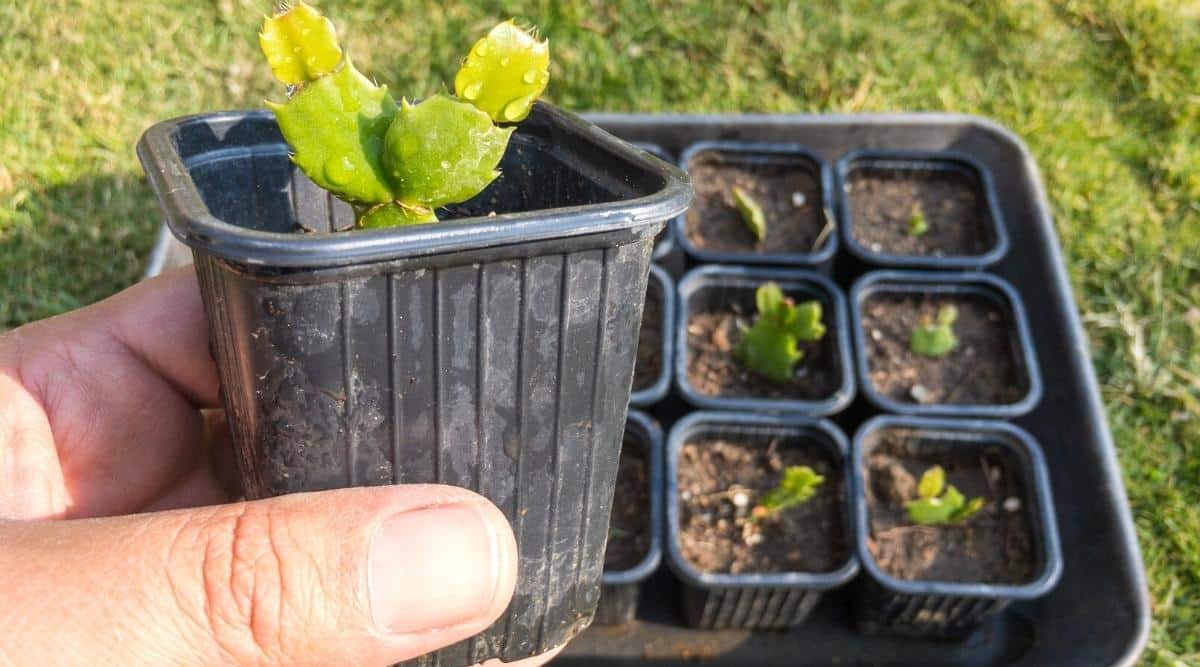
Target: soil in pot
(649,352)
(714,369)
(789,193)
(720,481)
(994,546)
(883,201)
(982,369)
(629,527)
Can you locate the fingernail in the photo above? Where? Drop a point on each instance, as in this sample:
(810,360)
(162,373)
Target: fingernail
(433,568)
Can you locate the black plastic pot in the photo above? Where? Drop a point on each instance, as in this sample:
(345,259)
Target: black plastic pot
(921,162)
(719,601)
(664,245)
(951,610)
(493,353)
(764,156)
(987,286)
(710,287)
(619,595)
(662,285)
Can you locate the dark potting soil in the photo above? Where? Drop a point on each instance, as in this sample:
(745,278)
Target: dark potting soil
(720,482)
(649,352)
(629,527)
(713,223)
(982,369)
(714,369)
(994,546)
(882,201)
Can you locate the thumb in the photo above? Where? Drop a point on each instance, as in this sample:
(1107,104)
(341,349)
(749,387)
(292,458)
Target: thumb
(366,576)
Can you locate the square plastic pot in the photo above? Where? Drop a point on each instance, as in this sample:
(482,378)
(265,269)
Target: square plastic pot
(920,161)
(765,155)
(951,610)
(997,291)
(765,601)
(708,287)
(665,244)
(492,352)
(621,588)
(660,284)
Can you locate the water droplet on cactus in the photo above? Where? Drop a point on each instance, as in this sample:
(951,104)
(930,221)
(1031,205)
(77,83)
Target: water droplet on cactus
(529,77)
(505,61)
(339,170)
(481,47)
(515,109)
(445,164)
(472,90)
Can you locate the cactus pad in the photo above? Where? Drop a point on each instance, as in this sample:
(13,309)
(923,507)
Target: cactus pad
(442,151)
(300,44)
(336,126)
(505,72)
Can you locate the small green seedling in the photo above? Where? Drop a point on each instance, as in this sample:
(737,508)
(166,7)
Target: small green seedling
(938,503)
(770,346)
(917,224)
(751,212)
(396,164)
(798,485)
(935,339)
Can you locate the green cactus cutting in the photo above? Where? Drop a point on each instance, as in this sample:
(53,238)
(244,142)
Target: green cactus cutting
(770,347)
(397,164)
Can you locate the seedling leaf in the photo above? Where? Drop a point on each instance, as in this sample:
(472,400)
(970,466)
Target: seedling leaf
(797,486)
(938,503)
(917,225)
(935,339)
(769,347)
(751,212)
(932,482)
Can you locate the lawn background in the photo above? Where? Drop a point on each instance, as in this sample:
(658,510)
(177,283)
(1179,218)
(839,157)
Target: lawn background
(1106,93)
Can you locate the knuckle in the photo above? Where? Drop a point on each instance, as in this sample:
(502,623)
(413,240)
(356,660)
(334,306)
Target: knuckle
(243,584)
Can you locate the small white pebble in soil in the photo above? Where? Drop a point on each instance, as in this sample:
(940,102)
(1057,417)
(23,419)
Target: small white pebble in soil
(920,394)
(876,335)
(685,495)
(754,539)
(1012,504)
(798,199)
(875,247)
(741,499)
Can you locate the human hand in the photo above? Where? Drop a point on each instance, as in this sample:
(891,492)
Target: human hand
(119,544)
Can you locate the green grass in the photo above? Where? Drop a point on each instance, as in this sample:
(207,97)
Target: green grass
(1106,93)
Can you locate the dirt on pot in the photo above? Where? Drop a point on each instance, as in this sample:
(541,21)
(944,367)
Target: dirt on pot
(883,201)
(649,352)
(720,480)
(629,527)
(789,194)
(994,546)
(982,369)
(714,370)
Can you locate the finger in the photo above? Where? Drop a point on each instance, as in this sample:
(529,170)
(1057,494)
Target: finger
(162,322)
(366,576)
